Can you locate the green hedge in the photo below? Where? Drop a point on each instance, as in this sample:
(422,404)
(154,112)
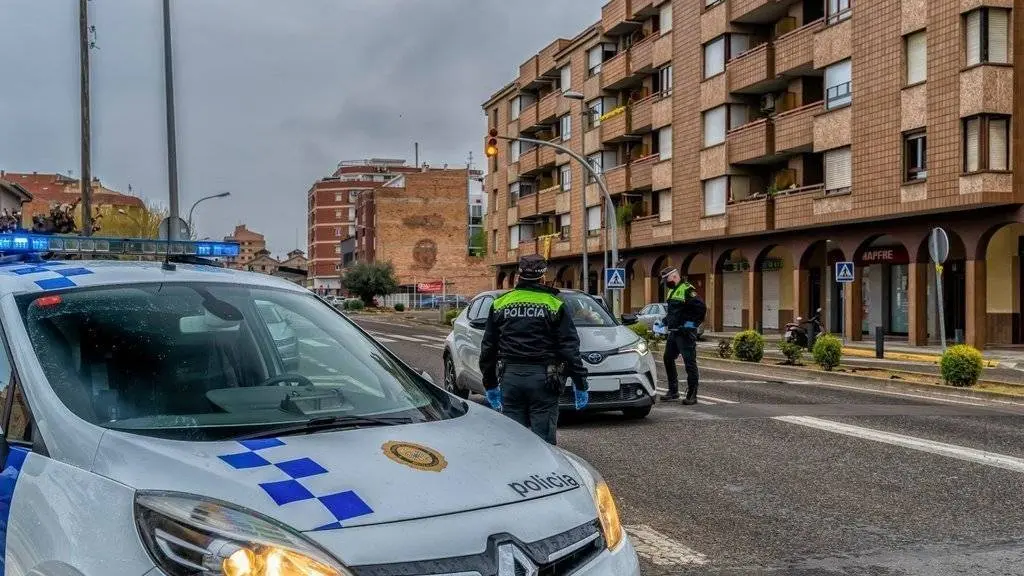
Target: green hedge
(828,351)
(450,317)
(399,307)
(748,346)
(354,304)
(793,352)
(961,365)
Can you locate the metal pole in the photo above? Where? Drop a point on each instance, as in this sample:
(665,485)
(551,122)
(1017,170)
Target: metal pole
(203,199)
(86,186)
(583,202)
(172,152)
(940,304)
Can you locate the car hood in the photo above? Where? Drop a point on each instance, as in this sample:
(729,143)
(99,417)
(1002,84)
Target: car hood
(359,476)
(605,339)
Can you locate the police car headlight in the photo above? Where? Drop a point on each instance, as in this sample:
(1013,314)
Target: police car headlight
(607,511)
(191,536)
(640,347)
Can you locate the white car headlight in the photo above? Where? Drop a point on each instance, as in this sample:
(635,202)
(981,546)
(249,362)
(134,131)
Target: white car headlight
(607,511)
(640,347)
(188,535)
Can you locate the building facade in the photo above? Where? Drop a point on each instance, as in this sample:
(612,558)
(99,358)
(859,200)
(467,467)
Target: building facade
(252,245)
(756,144)
(48,189)
(421,222)
(331,203)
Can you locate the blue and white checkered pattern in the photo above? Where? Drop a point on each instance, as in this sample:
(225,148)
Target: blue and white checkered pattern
(299,481)
(50,275)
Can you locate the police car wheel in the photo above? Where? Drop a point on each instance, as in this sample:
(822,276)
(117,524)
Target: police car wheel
(450,381)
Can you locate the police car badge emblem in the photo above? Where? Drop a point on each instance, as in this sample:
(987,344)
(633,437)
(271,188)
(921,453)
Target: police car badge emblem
(514,562)
(415,456)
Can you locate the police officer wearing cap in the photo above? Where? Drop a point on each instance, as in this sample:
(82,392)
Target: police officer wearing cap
(529,344)
(686,311)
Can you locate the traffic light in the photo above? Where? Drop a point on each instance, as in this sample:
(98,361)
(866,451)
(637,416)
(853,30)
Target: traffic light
(492,144)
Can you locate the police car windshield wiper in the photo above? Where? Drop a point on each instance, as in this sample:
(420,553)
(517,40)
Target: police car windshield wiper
(326,423)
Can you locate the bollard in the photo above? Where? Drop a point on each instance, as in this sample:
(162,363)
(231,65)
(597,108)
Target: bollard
(958,336)
(812,335)
(879,342)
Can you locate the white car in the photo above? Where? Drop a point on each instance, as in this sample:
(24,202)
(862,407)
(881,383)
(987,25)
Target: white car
(623,373)
(152,427)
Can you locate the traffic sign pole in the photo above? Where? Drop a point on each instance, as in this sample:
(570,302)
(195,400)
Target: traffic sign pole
(938,249)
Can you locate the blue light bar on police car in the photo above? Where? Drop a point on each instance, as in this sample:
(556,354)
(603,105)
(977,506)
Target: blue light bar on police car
(25,243)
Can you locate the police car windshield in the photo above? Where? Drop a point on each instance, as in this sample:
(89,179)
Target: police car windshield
(586,312)
(211,361)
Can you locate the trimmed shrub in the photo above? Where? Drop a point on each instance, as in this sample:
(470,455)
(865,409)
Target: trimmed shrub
(724,348)
(828,351)
(793,352)
(399,307)
(354,304)
(748,346)
(642,331)
(450,316)
(961,365)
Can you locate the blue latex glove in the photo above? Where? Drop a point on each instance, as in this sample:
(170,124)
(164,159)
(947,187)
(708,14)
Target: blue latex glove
(494,398)
(689,325)
(582,399)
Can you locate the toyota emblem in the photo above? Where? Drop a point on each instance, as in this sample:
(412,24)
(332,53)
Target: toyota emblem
(595,357)
(514,562)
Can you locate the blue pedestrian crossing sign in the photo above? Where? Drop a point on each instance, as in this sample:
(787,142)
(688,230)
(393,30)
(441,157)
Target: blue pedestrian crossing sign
(844,272)
(615,278)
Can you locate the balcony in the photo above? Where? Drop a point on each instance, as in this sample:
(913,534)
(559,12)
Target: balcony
(547,108)
(528,117)
(648,231)
(751,216)
(754,71)
(546,64)
(752,143)
(641,172)
(617,179)
(615,72)
(661,174)
(795,208)
(546,155)
(615,126)
(527,205)
(638,9)
(794,129)
(527,247)
(528,72)
(661,112)
(547,199)
(662,52)
(615,18)
(640,115)
(641,57)
(794,51)
(591,140)
(528,162)
(759,11)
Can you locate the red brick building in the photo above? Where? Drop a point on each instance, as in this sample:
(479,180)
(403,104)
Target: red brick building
(252,244)
(49,188)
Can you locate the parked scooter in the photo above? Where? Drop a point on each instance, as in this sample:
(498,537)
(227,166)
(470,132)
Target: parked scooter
(797,332)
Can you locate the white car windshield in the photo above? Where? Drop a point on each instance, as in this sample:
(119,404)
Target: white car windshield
(211,361)
(586,312)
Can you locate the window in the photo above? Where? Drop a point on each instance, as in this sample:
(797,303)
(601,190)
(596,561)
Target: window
(715,193)
(837,10)
(515,108)
(837,84)
(565,177)
(663,81)
(917,57)
(565,78)
(337,231)
(565,127)
(564,226)
(986,143)
(337,249)
(664,205)
(513,194)
(838,171)
(494,241)
(714,57)
(338,197)
(714,126)
(987,31)
(593,220)
(602,161)
(597,56)
(594,111)
(665,142)
(738,116)
(337,213)
(665,17)
(915,156)
(513,237)
(337,267)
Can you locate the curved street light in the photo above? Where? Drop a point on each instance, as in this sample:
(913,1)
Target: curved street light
(203,199)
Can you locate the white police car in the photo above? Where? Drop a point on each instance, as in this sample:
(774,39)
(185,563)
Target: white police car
(152,426)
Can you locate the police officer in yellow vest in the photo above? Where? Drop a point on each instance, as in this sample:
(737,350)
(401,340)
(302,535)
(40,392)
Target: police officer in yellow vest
(531,335)
(685,313)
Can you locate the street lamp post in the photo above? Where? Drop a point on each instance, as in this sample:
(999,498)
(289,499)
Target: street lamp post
(204,198)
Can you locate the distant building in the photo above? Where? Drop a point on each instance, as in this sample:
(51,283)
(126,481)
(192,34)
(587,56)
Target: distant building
(296,259)
(263,262)
(46,189)
(12,196)
(251,245)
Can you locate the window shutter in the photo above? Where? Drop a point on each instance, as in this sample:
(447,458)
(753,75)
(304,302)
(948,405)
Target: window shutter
(513,237)
(714,126)
(594,57)
(566,219)
(566,79)
(998,35)
(998,147)
(974,38)
(917,58)
(517,106)
(971,145)
(838,169)
(715,195)
(738,116)
(665,142)
(665,206)
(566,177)
(738,44)
(594,218)
(714,57)
(666,17)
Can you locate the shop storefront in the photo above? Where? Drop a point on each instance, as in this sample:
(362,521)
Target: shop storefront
(884,290)
(734,292)
(771,292)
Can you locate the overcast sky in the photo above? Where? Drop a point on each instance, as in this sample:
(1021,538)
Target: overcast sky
(270,94)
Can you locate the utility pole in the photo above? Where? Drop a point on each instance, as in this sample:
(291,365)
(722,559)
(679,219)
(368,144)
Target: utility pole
(86,175)
(172,152)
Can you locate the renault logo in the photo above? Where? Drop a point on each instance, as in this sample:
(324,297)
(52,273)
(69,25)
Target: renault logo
(514,562)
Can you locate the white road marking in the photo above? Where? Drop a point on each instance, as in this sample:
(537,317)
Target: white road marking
(662,550)
(383,340)
(434,346)
(314,343)
(931,446)
(397,336)
(434,338)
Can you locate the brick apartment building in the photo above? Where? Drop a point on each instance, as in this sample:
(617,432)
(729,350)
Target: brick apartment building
(331,203)
(252,245)
(50,188)
(422,223)
(759,142)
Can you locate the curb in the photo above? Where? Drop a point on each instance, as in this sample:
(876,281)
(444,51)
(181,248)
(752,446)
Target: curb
(790,373)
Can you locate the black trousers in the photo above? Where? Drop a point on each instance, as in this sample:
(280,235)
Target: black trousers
(682,342)
(527,399)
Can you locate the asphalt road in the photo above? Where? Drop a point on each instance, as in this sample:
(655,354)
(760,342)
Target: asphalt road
(794,478)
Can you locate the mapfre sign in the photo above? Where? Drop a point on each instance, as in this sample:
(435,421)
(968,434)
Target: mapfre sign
(429,287)
(883,255)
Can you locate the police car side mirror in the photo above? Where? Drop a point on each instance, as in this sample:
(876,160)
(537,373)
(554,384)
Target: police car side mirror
(479,323)
(629,319)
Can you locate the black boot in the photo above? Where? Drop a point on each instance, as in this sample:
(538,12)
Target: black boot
(691,396)
(669,397)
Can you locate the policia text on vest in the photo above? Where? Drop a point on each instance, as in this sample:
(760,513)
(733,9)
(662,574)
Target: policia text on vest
(530,344)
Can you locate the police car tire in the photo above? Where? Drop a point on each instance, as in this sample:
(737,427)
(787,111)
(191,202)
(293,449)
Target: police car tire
(451,383)
(637,413)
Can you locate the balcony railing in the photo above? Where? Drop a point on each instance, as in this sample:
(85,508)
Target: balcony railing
(641,56)
(752,69)
(528,162)
(750,142)
(546,199)
(794,129)
(527,247)
(839,95)
(640,172)
(615,125)
(528,117)
(638,8)
(757,11)
(547,108)
(751,216)
(615,72)
(794,51)
(615,17)
(640,114)
(546,154)
(528,72)
(617,179)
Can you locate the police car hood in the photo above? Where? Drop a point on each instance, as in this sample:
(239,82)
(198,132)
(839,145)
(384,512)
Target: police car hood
(357,476)
(605,338)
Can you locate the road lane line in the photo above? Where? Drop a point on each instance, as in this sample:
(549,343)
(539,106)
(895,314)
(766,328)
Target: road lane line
(435,338)
(432,345)
(951,450)
(662,550)
(396,336)
(382,339)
